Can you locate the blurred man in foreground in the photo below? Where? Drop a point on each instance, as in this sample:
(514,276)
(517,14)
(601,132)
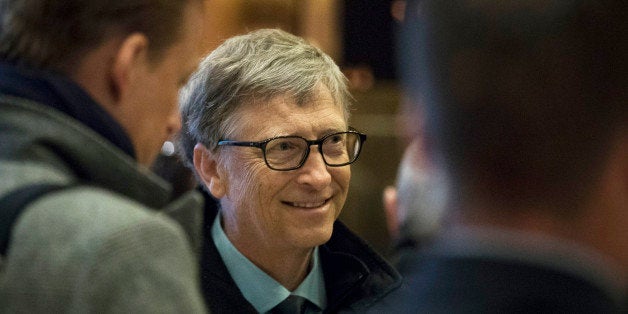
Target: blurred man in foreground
(527,103)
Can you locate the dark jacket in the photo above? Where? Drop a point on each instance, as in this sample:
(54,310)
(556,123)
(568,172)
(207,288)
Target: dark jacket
(356,277)
(467,283)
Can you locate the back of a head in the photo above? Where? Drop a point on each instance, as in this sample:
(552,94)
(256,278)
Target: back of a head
(253,68)
(524,98)
(54,35)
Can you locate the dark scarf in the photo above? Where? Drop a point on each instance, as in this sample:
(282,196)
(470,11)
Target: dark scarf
(61,93)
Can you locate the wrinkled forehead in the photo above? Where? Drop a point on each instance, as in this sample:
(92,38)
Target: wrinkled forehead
(284,114)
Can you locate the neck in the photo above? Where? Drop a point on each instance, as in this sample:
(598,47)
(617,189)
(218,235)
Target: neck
(529,220)
(289,266)
(598,226)
(90,73)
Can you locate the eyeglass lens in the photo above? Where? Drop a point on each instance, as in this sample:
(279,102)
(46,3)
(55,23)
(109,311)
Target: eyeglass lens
(289,152)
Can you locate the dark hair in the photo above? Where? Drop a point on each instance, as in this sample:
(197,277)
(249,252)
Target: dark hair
(53,34)
(524,98)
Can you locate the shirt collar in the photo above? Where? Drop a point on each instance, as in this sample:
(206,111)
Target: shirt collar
(257,287)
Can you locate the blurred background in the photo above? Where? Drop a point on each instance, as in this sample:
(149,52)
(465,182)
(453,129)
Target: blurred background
(360,36)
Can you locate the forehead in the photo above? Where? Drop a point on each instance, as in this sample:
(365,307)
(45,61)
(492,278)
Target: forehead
(282,115)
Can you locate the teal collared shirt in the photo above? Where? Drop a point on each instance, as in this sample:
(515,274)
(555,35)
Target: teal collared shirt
(257,287)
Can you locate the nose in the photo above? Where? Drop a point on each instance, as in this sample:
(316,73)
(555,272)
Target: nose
(314,171)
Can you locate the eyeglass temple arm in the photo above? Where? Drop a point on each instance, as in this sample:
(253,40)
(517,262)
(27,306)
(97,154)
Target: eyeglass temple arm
(236,143)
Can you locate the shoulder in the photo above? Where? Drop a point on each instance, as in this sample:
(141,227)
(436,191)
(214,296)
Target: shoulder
(484,285)
(94,209)
(74,245)
(84,218)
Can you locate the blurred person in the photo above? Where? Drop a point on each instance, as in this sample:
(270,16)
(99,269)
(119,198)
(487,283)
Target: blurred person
(526,103)
(88,94)
(168,166)
(267,133)
(414,206)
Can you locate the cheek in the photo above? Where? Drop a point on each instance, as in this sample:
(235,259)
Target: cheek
(265,187)
(246,184)
(342,177)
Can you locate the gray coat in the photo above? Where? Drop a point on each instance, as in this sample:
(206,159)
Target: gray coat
(104,245)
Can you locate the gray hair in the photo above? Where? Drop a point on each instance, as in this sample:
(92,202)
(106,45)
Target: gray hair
(257,66)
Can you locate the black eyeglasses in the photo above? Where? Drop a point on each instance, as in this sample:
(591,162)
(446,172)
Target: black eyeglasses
(285,153)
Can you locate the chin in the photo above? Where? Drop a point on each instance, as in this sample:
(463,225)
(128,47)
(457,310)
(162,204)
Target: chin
(314,237)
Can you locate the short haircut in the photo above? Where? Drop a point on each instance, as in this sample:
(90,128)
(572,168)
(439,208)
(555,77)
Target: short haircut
(254,67)
(524,98)
(54,34)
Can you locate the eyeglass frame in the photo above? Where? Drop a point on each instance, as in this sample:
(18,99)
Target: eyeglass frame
(319,142)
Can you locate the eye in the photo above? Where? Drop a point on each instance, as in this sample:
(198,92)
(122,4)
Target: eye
(283,145)
(336,139)
(335,145)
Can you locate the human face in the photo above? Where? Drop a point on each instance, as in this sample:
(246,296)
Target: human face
(282,209)
(158,97)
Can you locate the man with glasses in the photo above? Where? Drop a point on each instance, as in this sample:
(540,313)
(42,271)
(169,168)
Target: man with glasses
(267,134)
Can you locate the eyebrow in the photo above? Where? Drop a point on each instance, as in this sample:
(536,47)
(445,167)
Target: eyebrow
(324,132)
(335,130)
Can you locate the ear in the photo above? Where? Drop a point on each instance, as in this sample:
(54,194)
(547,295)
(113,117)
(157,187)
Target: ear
(132,53)
(390,209)
(623,164)
(207,169)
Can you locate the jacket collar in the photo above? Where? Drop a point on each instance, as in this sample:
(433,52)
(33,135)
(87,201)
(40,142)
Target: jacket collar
(355,274)
(220,291)
(59,92)
(78,151)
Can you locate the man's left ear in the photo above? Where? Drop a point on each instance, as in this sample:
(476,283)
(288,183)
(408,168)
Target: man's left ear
(131,54)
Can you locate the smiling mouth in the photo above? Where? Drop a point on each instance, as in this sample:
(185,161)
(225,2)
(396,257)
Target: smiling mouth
(307,204)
